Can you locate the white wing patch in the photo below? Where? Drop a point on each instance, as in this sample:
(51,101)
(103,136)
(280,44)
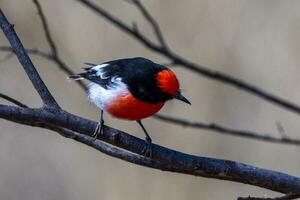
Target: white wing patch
(99,71)
(102,97)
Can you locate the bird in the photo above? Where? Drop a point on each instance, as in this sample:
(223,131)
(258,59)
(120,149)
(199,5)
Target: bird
(130,89)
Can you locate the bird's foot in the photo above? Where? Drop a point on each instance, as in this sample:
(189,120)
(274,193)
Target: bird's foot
(98,129)
(147,150)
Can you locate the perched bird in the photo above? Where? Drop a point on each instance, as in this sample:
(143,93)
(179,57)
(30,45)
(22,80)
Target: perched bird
(131,89)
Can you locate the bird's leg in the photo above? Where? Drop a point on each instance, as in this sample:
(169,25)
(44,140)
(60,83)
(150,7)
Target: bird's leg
(147,150)
(99,127)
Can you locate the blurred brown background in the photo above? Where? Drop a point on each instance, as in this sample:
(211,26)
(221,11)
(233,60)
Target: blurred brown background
(255,40)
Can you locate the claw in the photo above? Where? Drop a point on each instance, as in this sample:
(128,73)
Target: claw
(147,150)
(99,129)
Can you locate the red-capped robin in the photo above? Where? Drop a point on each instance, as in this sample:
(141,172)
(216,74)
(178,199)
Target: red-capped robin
(131,89)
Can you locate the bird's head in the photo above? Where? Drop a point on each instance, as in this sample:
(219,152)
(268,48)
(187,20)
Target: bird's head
(168,83)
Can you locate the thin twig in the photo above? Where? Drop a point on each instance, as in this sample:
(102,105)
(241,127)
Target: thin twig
(66,69)
(27,64)
(228,131)
(29,51)
(46,28)
(215,75)
(152,21)
(285,197)
(280,129)
(54,51)
(12,100)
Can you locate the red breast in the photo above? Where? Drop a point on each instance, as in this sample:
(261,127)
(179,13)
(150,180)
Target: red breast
(130,108)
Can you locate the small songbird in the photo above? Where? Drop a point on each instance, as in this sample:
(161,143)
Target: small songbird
(131,89)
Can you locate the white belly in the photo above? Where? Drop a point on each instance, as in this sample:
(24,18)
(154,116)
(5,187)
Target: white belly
(102,97)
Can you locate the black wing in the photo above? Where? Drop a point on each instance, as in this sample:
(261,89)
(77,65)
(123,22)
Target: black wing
(99,74)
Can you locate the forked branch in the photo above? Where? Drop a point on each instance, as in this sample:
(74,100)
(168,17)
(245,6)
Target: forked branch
(24,59)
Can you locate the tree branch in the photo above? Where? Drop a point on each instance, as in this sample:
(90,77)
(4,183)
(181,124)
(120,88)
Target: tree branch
(54,51)
(285,197)
(228,131)
(102,147)
(12,100)
(46,28)
(153,23)
(163,158)
(37,52)
(28,66)
(215,75)
(61,65)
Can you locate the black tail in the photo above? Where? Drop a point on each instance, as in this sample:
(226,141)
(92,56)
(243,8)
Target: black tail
(77,76)
(83,75)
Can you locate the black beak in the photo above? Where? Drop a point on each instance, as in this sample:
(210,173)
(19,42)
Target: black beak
(180,97)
